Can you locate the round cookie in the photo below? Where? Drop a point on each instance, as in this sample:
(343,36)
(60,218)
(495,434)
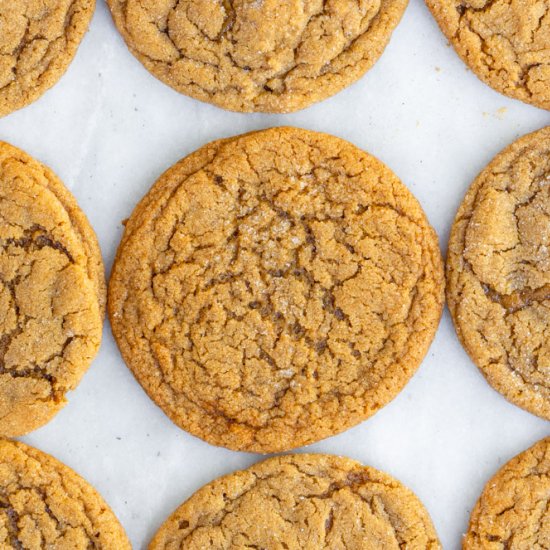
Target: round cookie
(512,511)
(498,273)
(301,501)
(52,293)
(257,55)
(38,40)
(45,504)
(504,42)
(275,288)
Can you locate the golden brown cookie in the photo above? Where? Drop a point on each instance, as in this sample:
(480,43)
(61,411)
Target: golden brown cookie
(301,502)
(506,43)
(512,512)
(275,288)
(257,55)
(52,293)
(38,40)
(44,504)
(498,273)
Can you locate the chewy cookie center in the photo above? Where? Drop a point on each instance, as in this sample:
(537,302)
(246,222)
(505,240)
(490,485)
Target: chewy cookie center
(278,291)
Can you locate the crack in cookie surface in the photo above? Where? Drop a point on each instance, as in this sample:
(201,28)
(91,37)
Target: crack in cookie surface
(305,501)
(513,510)
(505,42)
(283,290)
(51,293)
(38,40)
(44,504)
(257,55)
(498,272)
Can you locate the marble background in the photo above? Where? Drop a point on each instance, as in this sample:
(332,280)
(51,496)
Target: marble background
(109,129)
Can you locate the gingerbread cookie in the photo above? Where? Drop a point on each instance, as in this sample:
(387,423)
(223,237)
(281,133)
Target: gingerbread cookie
(52,293)
(275,288)
(301,501)
(257,55)
(512,511)
(38,40)
(505,43)
(498,273)
(44,504)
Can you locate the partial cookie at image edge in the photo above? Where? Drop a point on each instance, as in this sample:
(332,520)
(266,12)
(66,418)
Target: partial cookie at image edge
(498,52)
(50,333)
(512,509)
(301,501)
(24,86)
(496,218)
(192,49)
(44,503)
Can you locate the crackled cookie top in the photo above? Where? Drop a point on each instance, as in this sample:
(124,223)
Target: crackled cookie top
(498,273)
(512,511)
(38,40)
(505,42)
(51,293)
(275,289)
(44,504)
(301,501)
(257,55)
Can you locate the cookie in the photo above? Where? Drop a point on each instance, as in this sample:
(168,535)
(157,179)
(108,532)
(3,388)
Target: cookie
(506,43)
(275,288)
(52,293)
(44,504)
(38,40)
(301,501)
(272,56)
(512,511)
(498,273)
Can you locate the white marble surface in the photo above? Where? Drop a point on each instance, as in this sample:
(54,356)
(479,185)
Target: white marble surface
(109,129)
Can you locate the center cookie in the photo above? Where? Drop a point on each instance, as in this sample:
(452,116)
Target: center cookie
(275,288)
(308,502)
(257,55)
